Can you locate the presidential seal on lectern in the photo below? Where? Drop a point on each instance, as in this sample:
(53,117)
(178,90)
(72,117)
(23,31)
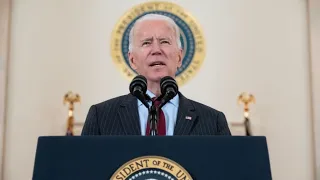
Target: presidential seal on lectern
(151,168)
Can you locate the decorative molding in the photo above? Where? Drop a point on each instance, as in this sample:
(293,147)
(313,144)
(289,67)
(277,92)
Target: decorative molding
(314,46)
(5,11)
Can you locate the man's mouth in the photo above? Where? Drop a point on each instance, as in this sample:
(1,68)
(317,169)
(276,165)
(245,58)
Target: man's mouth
(157,63)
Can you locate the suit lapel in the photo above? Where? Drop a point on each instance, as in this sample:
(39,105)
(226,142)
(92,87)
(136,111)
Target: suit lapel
(129,116)
(186,117)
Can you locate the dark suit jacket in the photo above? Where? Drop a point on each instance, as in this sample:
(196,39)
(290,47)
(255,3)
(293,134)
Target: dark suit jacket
(119,116)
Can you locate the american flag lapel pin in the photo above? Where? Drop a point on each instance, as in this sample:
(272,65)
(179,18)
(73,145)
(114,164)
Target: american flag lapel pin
(188,117)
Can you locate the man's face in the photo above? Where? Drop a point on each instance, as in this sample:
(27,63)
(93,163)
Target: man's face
(155,52)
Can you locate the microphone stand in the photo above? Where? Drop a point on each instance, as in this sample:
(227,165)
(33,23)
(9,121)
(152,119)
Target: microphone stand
(152,116)
(153,119)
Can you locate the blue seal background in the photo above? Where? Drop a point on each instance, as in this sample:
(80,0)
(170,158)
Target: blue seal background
(188,46)
(151,173)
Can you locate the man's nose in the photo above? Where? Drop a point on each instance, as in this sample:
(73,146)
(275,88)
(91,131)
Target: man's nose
(156,49)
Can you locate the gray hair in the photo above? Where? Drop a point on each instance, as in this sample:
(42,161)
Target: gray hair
(155,17)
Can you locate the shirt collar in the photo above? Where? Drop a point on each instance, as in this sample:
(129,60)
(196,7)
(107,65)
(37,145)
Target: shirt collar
(174,100)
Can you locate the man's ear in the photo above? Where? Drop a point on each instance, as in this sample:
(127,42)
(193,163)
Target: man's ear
(180,58)
(132,61)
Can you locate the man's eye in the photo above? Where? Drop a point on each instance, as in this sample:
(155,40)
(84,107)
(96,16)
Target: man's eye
(165,42)
(145,43)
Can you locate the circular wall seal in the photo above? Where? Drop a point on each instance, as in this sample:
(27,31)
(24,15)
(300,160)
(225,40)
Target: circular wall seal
(192,39)
(151,168)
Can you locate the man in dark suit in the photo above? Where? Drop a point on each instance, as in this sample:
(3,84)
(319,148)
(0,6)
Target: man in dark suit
(154,52)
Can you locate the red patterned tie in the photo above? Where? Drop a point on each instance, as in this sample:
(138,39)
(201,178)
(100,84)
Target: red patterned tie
(161,121)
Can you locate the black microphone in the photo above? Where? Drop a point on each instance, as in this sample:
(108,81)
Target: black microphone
(169,89)
(138,88)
